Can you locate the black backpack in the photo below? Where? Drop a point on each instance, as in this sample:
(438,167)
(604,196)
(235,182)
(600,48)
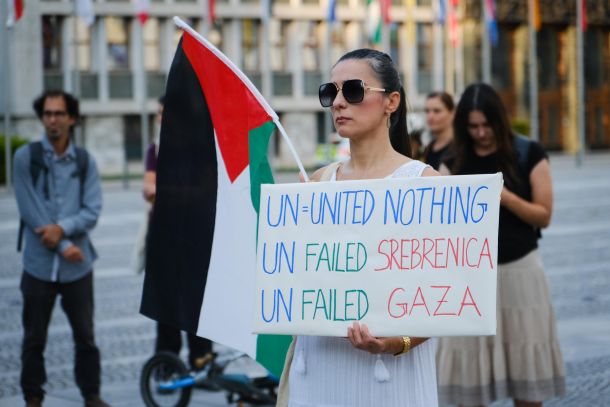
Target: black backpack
(521,145)
(38,165)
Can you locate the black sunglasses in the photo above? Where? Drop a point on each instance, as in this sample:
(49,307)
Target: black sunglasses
(353,91)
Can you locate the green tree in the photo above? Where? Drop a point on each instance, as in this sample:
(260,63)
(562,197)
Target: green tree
(16,142)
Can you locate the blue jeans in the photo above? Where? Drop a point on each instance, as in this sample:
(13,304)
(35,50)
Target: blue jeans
(77,302)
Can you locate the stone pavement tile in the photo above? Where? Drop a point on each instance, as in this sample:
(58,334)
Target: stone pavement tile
(117,395)
(585,337)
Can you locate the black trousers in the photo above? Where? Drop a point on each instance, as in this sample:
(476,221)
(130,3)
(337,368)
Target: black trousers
(169,339)
(77,302)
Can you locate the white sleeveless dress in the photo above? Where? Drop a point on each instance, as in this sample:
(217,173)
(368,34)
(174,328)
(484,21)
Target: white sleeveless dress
(328,371)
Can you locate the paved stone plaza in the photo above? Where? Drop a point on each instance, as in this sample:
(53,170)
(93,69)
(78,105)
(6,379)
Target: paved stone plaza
(576,252)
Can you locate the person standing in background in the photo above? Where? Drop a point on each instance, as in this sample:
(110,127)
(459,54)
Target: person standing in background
(439,119)
(523,360)
(59,197)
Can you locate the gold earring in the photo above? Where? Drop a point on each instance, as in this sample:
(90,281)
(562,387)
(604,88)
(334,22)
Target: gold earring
(389,122)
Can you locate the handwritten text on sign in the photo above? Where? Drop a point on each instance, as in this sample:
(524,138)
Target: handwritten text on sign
(405,256)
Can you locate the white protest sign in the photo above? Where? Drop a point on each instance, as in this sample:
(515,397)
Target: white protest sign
(414,256)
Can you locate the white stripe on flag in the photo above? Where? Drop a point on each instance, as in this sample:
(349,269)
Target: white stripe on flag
(226,313)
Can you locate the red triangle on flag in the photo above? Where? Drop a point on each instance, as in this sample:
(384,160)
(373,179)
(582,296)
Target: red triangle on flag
(233,108)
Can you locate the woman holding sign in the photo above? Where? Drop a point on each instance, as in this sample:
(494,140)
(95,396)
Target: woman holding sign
(523,361)
(368,107)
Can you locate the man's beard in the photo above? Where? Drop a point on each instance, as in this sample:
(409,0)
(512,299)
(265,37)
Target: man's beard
(54,135)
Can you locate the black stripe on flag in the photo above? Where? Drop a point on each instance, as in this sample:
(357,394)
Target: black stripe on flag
(181,230)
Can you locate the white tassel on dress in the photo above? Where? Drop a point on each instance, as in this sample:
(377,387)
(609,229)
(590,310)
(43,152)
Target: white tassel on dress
(381,372)
(299,363)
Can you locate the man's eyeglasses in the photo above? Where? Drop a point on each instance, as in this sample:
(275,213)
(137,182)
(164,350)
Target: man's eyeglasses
(48,114)
(353,91)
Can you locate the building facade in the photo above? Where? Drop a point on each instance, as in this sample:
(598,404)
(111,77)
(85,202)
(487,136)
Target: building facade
(118,67)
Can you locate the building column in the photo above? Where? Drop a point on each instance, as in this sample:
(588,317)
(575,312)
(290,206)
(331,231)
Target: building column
(232,41)
(68,62)
(438,79)
(166,43)
(295,67)
(520,57)
(570,142)
(136,62)
(100,58)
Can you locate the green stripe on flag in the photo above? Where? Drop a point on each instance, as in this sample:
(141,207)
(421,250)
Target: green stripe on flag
(271,351)
(260,170)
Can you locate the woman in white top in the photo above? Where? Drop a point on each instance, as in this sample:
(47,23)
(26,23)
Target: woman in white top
(368,106)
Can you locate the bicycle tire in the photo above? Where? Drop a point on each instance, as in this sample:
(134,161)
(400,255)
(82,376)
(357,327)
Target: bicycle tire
(163,365)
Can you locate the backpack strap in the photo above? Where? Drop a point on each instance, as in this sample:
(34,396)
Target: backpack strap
(521,145)
(37,164)
(329,171)
(82,165)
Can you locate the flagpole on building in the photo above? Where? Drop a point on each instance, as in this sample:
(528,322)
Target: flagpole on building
(265,64)
(266,78)
(485,43)
(385,38)
(7,98)
(327,66)
(144,130)
(75,73)
(533,71)
(580,81)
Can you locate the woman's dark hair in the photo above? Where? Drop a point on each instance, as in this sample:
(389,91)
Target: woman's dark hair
(72,106)
(445,98)
(483,98)
(385,70)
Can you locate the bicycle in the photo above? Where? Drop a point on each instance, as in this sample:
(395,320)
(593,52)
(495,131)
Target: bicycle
(165,381)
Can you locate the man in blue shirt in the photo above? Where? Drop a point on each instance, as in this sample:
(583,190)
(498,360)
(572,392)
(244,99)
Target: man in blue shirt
(59,207)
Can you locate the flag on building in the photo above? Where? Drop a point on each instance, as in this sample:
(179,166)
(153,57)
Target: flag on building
(385,11)
(491,22)
(142,8)
(212,11)
(536,14)
(583,21)
(201,254)
(332,9)
(84,10)
(373,21)
(453,23)
(14,12)
(442,11)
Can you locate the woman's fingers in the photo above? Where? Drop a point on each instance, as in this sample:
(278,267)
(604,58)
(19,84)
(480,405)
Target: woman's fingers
(360,337)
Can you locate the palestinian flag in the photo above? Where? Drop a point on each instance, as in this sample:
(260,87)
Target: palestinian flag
(201,249)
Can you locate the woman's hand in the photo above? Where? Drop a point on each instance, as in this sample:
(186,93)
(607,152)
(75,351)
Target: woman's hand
(149,187)
(360,338)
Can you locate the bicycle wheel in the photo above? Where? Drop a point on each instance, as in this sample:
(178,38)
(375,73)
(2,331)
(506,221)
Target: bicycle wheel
(164,368)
